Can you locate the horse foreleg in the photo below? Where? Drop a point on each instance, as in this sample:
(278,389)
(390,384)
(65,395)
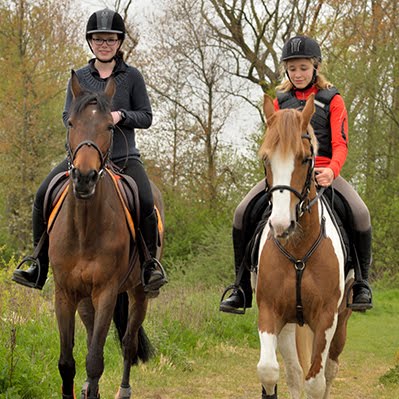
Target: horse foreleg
(288,349)
(86,313)
(138,303)
(336,348)
(103,304)
(65,312)
(315,381)
(268,367)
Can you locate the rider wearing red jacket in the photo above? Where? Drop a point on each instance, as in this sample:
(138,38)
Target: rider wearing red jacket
(301,59)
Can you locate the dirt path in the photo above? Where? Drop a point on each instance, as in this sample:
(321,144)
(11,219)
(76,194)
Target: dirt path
(230,373)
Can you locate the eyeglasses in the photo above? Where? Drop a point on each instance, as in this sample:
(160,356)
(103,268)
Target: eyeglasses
(100,42)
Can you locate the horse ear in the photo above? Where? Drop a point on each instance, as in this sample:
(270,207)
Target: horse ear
(308,112)
(268,108)
(75,85)
(110,88)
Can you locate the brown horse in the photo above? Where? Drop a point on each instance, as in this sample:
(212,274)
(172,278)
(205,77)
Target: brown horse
(301,264)
(92,256)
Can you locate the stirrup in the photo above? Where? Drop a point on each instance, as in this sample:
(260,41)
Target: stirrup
(153,288)
(233,287)
(20,280)
(360,307)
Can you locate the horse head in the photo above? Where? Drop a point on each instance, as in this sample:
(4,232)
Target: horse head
(288,153)
(89,137)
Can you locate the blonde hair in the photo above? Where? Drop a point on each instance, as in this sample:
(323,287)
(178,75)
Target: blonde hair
(286,85)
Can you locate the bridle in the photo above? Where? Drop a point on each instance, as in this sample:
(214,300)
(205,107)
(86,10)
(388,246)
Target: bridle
(104,158)
(304,204)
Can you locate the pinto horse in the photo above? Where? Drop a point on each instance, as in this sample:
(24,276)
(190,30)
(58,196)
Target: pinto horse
(300,278)
(93,259)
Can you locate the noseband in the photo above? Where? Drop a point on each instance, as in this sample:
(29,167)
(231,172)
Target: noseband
(89,143)
(304,203)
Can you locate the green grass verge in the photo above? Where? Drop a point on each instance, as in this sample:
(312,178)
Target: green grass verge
(193,340)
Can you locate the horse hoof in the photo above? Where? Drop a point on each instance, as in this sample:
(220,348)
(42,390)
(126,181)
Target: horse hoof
(124,393)
(84,392)
(266,396)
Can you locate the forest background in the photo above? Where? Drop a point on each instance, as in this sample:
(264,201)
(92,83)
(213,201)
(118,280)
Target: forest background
(207,64)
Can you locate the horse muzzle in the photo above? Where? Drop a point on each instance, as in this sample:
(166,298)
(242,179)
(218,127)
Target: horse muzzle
(282,231)
(84,184)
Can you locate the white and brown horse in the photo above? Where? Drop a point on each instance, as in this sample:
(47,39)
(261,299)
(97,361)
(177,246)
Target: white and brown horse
(300,278)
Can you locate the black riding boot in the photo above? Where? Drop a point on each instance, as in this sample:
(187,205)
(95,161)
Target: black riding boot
(362,296)
(152,273)
(235,302)
(36,275)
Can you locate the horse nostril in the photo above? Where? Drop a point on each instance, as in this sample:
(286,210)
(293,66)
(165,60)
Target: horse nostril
(75,174)
(93,176)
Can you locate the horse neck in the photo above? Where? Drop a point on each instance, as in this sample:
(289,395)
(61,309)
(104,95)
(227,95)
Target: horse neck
(87,216)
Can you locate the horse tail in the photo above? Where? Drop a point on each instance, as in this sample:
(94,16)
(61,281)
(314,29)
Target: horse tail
(121,313)
(304,344)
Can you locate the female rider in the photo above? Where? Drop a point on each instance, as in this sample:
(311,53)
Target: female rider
(105,33)
(301,59)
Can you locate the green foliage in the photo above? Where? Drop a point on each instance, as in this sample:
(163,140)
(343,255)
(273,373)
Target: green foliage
(391,377)
(37,39)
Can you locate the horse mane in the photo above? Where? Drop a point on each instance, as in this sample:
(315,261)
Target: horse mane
(88,98)
(284,132)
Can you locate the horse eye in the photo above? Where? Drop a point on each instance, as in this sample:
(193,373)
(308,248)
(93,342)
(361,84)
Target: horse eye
(70,124)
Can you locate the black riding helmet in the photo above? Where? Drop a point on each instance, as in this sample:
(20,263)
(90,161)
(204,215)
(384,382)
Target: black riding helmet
(301,47)
(105,21)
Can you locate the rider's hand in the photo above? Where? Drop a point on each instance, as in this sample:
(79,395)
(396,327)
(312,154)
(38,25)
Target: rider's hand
(324,176)
(116,116)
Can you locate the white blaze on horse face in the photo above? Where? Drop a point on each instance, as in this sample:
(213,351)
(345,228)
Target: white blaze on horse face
(282,213)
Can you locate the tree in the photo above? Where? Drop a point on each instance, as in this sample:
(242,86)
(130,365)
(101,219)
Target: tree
(190,84)
(364,60)
(37,54)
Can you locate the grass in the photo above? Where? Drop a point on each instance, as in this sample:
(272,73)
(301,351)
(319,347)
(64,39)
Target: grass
(201,353)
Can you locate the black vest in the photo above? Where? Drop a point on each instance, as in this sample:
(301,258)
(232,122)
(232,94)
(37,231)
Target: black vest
(321,118)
